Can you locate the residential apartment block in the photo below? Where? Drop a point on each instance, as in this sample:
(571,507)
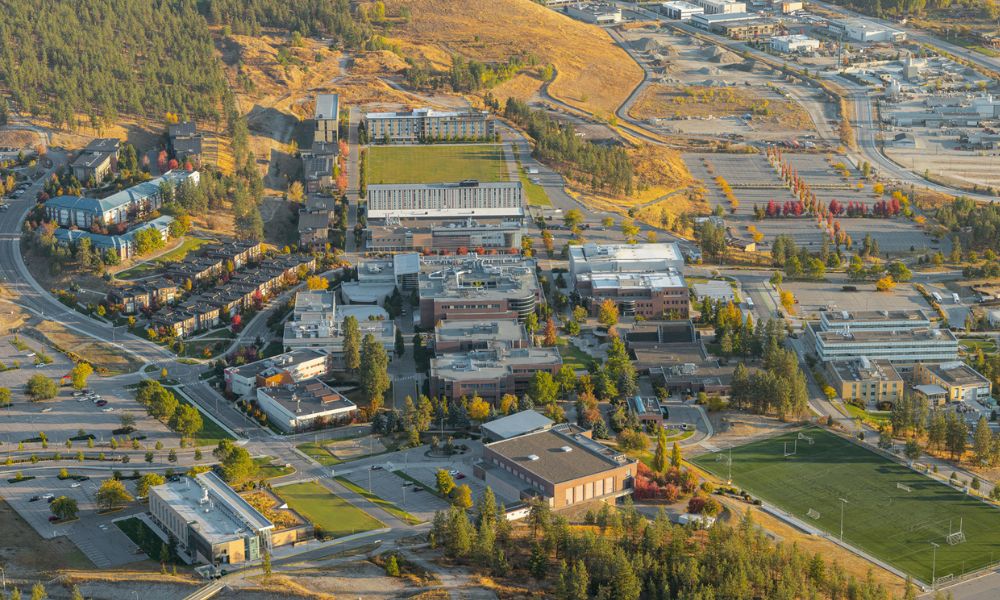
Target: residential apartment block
(124,207)
(426,124)
(459,200)
(327,117)
(97,160)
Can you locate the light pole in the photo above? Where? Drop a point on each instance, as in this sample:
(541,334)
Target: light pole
(843,503)
(3,573)
(933,563)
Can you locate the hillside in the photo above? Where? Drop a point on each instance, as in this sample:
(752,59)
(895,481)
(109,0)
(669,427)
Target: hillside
(591,71)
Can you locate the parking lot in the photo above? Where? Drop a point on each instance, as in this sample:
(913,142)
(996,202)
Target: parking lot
(392,488)
(96,535)
(814,295)
(896,236)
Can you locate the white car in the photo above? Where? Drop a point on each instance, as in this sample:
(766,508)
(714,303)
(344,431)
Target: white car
(75,485)
(108,409)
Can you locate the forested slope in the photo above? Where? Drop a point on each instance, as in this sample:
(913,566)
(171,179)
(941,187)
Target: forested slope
(102,58)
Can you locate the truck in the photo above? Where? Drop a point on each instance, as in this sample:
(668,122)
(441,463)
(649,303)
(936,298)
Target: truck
(749,302)
(937,297)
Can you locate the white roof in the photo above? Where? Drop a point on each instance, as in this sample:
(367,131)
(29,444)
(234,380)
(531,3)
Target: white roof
(930,390)
(451,213)
(520,423)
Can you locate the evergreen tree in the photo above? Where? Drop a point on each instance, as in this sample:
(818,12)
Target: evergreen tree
(352,343)
(660,456)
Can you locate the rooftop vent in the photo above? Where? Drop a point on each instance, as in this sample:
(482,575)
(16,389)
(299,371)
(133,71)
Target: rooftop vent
(565,449)
(533,457)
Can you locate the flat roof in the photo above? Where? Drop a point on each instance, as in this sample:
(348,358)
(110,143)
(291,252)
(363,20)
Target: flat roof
(315,301)
(519,423)
(327,106)
(555,456)
(490,363)
(215,510)
(726,17)
(873,316)
(476,277)
(664,251)
(868,336)
(421,113)
(307,397)
(284,360)
(957,373)
(650,281)
(864,369)
(501,330)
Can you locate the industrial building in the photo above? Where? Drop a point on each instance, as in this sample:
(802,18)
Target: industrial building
(794,43)
(873,384)
(745,29)
(467,235)
(710,22)
(562,466)
(210,521)
(490,373)
(958,381)
(327,117)
(304,405)
(600,13)
(680,10)
(426,124)
(861,30)
(477,287)
(722,7)
(459,200)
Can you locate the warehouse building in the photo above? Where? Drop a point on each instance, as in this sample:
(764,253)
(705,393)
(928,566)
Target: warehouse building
(460,200)
(722,7)
(562,466)
(794,43)
(600,13)
(680,10)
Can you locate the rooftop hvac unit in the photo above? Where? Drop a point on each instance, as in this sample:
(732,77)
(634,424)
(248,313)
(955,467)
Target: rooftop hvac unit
(565,449)
(533,457)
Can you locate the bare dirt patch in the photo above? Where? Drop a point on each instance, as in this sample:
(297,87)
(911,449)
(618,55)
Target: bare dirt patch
(25,554)
(698,101)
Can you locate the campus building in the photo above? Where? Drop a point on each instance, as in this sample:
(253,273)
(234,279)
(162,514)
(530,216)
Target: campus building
(561,465)
(466,235)
(304,405)
(210,521)
(459,200)
(958,381)
(124,207)
(317,323)
(426,124)
(290,367)
(722,7)
(327,117)
(903,337)
(465,336)
(318,164)
(477,287)
(379,278)
(97,160)
(519,423)
(642,279)
(490,373)
(869,383)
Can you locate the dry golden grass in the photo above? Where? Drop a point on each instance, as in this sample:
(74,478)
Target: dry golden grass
(105,358)
(508,590)
(593,73)
(703,101)
(287,586)
(522,86)
(151,576)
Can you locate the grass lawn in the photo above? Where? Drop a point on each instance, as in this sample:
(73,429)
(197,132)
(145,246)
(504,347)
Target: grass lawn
(533,192)
(145,538)
(332,514)
(385,505)
(970,345)
(873,417)
(880,518)
(574,357)
(210,433)
(265,470)
(190,244)
(436,164)
(318,452)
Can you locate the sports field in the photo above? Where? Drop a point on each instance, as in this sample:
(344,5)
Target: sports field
(880,517)
(436,164)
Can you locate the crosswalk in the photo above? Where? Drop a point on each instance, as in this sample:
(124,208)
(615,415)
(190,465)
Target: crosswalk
(86,545)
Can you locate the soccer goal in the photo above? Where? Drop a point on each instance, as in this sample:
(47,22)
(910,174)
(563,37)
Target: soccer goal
(955,537)
(904,487)
(813,513)
(807,438)
(794,449)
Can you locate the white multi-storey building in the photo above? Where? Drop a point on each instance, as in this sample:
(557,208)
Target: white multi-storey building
(426,124)
(465,199)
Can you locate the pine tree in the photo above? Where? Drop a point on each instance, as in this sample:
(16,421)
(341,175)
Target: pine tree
(982,441)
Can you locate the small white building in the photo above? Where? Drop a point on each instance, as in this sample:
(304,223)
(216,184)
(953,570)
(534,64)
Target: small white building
(722,7)
(680,10)
(289,367)
(794,43)
(601,13)
(299,406)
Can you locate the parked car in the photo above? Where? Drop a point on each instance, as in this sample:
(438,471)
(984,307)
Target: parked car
(376,467)
(34,499)
(108,409)
(101,402)
(77,394)
(75,485)
(53,519)
(460,476)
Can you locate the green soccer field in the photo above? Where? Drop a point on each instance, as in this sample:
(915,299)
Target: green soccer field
(436,164)
(880,518)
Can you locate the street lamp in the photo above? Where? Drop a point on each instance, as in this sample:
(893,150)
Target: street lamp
(843,503)
(933,563)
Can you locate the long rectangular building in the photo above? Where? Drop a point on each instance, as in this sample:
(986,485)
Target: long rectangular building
(426,124)
(122,207)
(468,234)
(463,199)
(903,346)
(490,373)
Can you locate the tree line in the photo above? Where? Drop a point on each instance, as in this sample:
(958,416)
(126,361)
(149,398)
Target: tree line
(332,18)
(604,168)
